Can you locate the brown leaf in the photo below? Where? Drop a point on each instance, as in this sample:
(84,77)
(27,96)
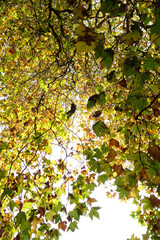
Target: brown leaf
(118,169)
(156,180)
(113,142)
(154,152)
(84,172)
(97,113)
(144,175)
(122,83)
(155,202)
(91,200)
(41,210)
(156,112)
(62,225)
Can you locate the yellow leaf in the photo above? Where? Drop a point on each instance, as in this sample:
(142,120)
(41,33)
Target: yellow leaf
(84,47)
(133,192)
(81,30)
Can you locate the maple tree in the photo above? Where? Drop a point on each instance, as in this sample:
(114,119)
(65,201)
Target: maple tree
(79,106)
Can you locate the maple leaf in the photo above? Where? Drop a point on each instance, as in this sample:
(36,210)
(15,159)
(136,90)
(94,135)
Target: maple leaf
(62,225)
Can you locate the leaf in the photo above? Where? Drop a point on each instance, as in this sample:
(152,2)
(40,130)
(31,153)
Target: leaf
(146,203)
(154,88)
(100,128)
(81,30)
(3,145)
(62,225)
(107,58)
(155,202)
(113,143)
(123,83)
(91,186)
(87,45)
(73,226)
(25,226)
(111,155)
(2,174)
(76,213)
(102,178)
(94,212)
(118,169)
(97,113)
(91,200)
(154,152)
(80,12)
(132,192)
(92,101)
(20,218)
(102,99)
(72,111)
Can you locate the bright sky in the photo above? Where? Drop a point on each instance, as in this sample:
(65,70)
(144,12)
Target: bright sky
(114,224)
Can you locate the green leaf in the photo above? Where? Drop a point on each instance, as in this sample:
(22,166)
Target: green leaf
(44,227)
(104,148)
(107,58)
(98,51)
(91,186)
(3,145)
(20,218)
(94,212)
(88,153)
(24,235)
(102,178)
(154,88)
(80,179)
(76,213)
(146,203)
(152,172)
(73,226)
(136,129)
(156,27)
(25,226)
(2,174)
(102,98)
(104,166)
(100,128)
(150,63)
(98,153)
(71,111)
(92,101)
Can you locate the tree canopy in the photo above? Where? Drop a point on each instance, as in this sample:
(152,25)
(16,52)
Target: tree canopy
(79,100)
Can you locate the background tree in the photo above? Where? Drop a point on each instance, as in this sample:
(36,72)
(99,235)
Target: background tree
(79,80)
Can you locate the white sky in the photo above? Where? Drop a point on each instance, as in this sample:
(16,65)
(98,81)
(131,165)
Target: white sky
(114,224)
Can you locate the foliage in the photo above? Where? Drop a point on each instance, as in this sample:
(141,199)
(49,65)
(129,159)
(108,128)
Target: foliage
(79,100)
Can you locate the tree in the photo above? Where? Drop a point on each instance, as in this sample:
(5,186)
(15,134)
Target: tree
(79,107)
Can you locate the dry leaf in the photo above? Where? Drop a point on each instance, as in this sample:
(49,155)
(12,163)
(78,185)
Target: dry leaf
(155,202)
(97,113)
(154,152)
(41,211)
(91,200)
(113,142)
(122,83)
(118,169)
(62,225)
